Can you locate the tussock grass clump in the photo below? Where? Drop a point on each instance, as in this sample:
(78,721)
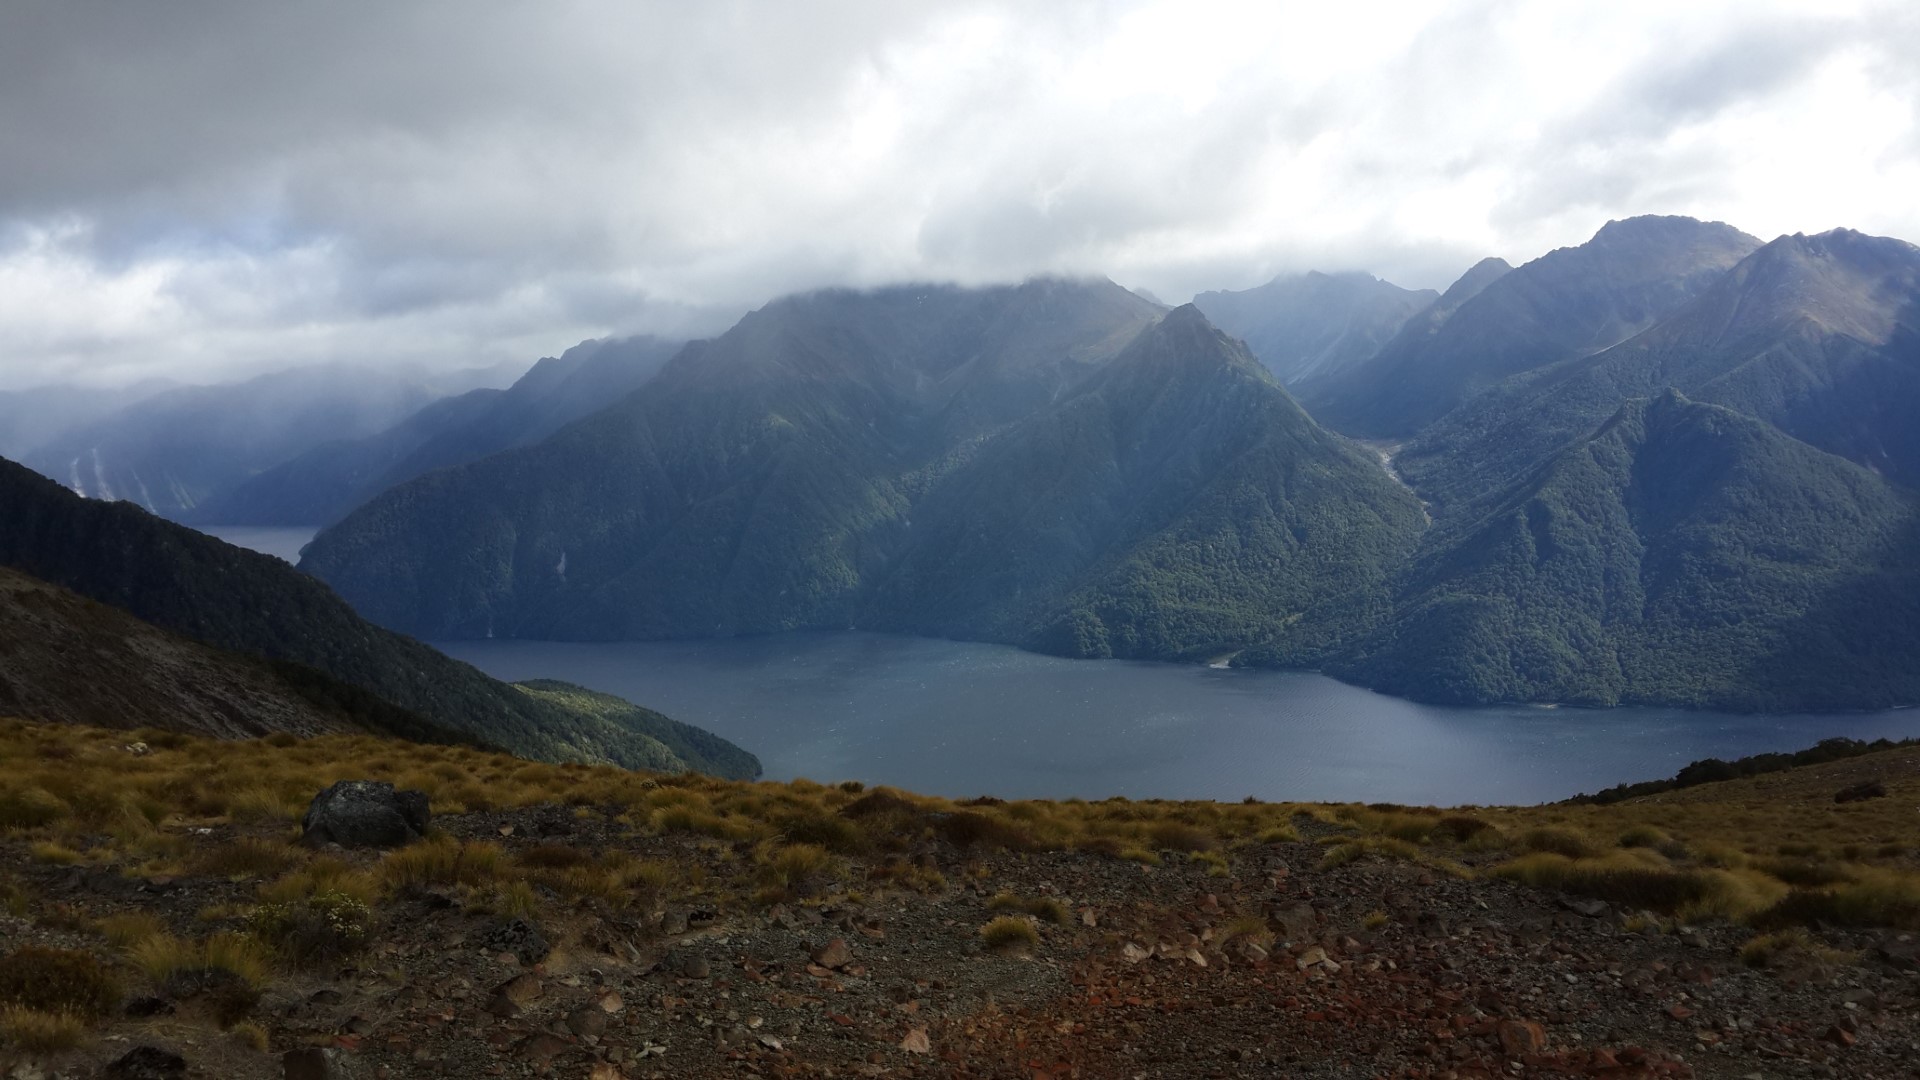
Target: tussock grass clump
(168,960)
(443,861)
(30,807)
(53,853)
(323,873)
(1643,836)
(969,828)
(552,857)
(1558,841)
(1342,852)
(1804,873)
(1180,836)
(1044,908)
(258,804)
(1278,834)
(1010,934)
(40,1032)
(1461,828)
(1635,883)
(250,1035)
(1793,947)
(1245,928)
(821,829)
(67,981)
(126,929)
(1876,899)
(795,870)
(247,857)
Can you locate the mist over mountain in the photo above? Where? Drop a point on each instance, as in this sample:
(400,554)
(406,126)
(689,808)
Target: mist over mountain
(1567,303)
(173,451)
(323,483)
(31,417)
(1306,327)
(1050,464)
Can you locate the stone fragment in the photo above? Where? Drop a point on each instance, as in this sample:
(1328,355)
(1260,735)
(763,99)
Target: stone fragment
(834,954)
(1521,1037)
(917,1042)
(365,813)
(587,1021)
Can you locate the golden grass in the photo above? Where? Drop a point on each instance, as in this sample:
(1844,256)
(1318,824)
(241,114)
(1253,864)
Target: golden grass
(163,957)
(53,853)
(250,1035)
(1044,908)
(1010,934)
(1770,847)
(41,1032)
(128,928)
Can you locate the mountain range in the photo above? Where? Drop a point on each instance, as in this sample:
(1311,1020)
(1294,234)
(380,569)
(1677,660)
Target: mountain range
(1673,464)
(1058,465)
(1665,466)
(1567,303)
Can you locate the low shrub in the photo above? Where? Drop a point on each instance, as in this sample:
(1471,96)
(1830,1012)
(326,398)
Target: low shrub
(317,930)
(30,808)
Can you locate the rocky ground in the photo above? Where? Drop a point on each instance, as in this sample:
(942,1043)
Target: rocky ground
(1272,967)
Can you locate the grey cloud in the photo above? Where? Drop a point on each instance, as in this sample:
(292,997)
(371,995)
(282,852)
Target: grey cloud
(205,186)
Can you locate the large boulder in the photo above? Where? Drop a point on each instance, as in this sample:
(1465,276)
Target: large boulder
(365,813)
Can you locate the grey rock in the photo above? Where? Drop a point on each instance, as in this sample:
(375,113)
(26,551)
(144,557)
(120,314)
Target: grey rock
(365,813)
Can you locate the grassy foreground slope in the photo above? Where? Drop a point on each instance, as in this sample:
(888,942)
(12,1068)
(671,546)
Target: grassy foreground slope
(606,923)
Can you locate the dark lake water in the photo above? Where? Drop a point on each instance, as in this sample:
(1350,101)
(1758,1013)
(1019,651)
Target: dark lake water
(954,718)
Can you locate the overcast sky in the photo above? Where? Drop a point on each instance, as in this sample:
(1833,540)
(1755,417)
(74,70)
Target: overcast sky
(200,189)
